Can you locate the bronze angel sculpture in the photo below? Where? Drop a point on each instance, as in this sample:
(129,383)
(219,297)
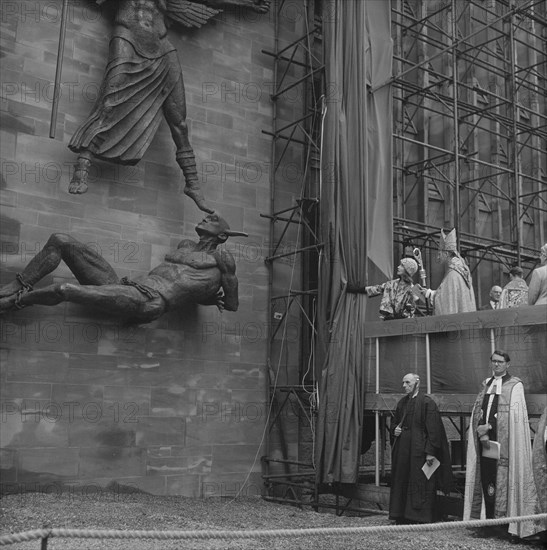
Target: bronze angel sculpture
(142,83)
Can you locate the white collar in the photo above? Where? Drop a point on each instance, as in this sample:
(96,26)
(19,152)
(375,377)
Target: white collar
(495,386)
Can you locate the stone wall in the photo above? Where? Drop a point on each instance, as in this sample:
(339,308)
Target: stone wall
(176,406)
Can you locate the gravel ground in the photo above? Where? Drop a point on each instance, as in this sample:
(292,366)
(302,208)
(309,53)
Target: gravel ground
(25,512)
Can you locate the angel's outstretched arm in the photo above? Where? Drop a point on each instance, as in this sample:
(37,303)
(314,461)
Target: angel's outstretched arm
(196,13)
(190,14)
(261,6)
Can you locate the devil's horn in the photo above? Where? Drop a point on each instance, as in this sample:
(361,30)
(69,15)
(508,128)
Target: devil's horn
(231,233)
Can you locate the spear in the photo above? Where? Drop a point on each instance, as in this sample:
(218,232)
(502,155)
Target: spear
(58,71)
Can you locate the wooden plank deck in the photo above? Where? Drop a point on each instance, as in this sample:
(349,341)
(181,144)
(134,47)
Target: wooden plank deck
(474,320)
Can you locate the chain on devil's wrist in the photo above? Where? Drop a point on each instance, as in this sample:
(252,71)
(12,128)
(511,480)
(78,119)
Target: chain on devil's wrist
(25,286)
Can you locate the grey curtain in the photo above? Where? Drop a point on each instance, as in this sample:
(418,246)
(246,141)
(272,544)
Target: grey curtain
(356,219)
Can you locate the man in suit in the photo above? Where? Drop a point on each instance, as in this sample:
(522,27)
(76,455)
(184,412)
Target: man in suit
(537,290)
(495,294)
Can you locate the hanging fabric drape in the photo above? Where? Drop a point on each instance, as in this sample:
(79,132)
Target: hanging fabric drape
(356,218)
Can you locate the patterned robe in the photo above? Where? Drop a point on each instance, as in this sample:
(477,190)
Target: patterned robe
(512,490)
(514,294)
(398,301)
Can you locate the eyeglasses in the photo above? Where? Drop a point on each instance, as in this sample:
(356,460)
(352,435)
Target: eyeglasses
(495,361)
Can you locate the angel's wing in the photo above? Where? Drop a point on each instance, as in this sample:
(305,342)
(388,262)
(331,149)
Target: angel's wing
(189,14)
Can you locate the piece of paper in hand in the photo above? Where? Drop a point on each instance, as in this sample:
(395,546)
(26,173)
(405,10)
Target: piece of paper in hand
(493,451)
(430,470)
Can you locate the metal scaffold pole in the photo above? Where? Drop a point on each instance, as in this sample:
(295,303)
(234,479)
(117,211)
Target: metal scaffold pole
(293,252)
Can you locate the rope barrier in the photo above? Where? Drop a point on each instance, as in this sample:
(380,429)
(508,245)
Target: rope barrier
(259,533)
(25,536)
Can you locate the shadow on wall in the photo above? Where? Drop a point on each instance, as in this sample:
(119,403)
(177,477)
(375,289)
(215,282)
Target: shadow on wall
(10,230)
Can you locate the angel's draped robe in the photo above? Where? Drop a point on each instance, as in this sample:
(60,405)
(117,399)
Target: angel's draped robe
(142,72)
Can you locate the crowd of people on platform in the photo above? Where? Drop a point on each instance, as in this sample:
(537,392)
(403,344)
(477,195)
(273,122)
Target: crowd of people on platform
(505,476)
(401,297)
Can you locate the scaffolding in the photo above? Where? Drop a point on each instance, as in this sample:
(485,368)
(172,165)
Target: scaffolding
(470,152)
(294,250)
(470,135)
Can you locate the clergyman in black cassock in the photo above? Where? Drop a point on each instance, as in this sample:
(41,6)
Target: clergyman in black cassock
(418,438)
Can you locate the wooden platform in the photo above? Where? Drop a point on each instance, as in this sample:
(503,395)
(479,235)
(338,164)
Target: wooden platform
(449,404)
(474,320)
(451,354)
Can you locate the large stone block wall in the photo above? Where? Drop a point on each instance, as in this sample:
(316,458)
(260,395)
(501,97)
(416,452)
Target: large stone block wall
(176,406)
